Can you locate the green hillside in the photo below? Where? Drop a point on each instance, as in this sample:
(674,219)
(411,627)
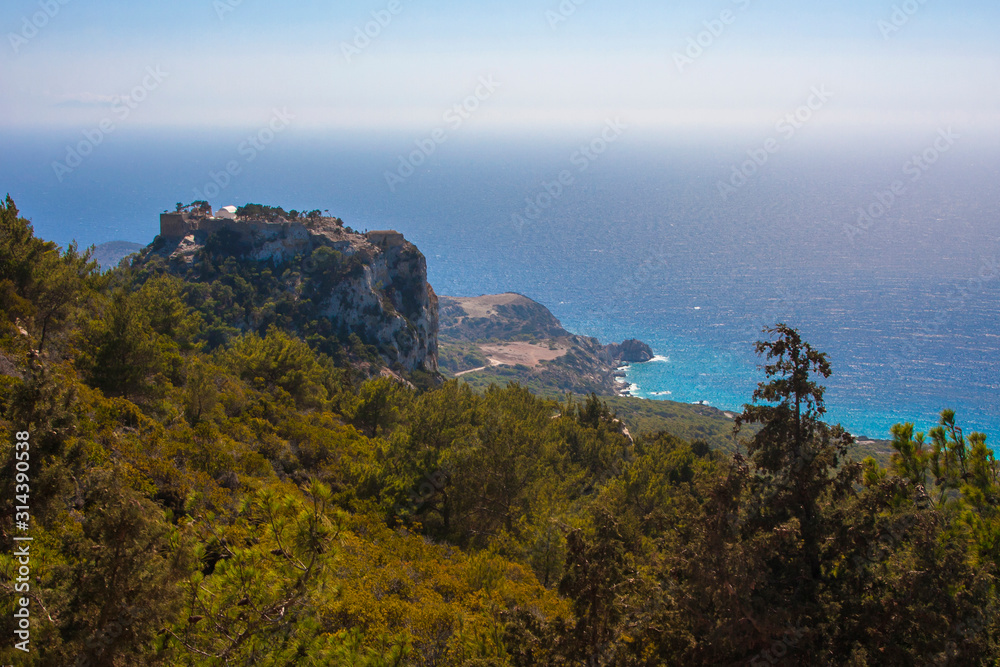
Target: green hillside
(214,469)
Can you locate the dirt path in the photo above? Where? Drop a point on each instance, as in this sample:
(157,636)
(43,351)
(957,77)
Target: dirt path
(471,370)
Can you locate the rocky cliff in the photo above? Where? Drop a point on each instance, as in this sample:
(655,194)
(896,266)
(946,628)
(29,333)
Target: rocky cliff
(373,285)
(631,351)
(505,337)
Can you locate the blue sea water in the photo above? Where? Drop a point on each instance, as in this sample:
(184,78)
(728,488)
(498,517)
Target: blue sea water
(641,244)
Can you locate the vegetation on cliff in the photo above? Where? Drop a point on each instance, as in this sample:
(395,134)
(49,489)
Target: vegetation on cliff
(214,482)
(346,293)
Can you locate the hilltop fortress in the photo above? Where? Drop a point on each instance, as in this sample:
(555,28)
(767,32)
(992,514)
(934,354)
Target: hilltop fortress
(378,288)
(269,239)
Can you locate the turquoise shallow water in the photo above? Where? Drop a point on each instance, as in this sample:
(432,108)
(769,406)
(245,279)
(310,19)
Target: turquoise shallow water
(640,245)
(887,368)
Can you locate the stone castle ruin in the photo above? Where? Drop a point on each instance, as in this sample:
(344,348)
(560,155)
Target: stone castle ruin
(387,300)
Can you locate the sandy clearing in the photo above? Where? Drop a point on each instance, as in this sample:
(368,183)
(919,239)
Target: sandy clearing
(527,354)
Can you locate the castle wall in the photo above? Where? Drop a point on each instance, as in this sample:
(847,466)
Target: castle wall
(175,225)
(386,239)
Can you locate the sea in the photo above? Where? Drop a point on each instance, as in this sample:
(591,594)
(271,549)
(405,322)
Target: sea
(889,264)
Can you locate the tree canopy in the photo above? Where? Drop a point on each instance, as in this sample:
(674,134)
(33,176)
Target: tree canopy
(217,479)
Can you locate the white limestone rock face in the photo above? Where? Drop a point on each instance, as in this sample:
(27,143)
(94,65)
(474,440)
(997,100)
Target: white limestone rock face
(383,296)
(392,302)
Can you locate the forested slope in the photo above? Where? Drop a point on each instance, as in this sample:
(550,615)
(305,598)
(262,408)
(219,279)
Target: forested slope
(207,493)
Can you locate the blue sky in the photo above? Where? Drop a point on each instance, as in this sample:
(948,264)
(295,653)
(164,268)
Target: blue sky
(231,62)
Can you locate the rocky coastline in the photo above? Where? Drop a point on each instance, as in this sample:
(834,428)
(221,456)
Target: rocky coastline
(510,337)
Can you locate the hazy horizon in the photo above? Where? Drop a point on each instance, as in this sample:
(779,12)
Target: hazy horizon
(891,67)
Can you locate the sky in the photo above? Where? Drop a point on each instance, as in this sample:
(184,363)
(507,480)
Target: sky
(885,66)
